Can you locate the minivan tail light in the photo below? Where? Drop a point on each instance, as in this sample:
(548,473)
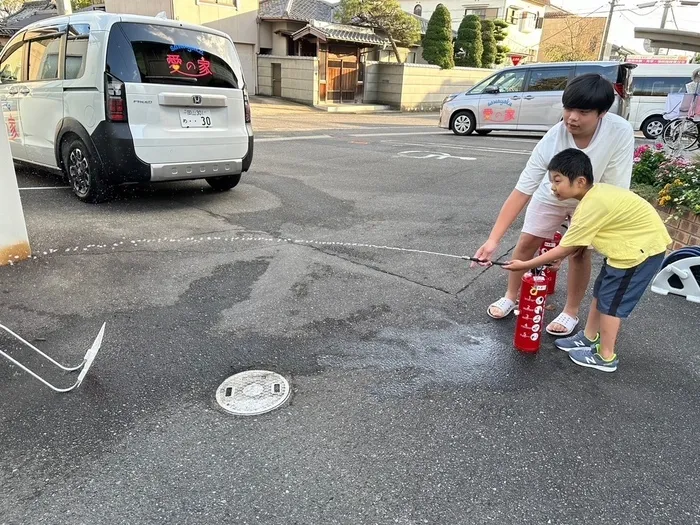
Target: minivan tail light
(115,101)
(620,89)
(246,107)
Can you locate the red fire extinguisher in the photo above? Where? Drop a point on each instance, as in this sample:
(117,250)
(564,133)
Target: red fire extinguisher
(530,321)
(550,274)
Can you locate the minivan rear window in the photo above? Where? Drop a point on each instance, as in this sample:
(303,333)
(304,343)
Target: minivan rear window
(153,54)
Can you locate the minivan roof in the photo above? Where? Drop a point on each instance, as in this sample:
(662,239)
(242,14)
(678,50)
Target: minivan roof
(101,21)
(560,64)
(666,70)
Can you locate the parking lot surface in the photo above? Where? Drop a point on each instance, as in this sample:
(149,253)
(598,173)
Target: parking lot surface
(334,263)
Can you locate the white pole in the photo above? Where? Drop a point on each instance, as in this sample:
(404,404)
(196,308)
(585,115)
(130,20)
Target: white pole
(63,7)
(14,242)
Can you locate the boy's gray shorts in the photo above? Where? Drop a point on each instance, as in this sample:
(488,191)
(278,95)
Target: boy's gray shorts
(618,291)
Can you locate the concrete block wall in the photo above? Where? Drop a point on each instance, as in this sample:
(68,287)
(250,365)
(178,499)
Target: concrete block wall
(425,86)
(417,87)
(299,77)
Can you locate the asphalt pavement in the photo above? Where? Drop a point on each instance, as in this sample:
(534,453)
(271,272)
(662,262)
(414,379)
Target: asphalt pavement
(334,263)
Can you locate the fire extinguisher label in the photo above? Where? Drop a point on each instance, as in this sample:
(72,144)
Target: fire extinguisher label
(542,288)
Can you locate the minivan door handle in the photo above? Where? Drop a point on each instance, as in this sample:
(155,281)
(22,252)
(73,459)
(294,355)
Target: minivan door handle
(24,90)
(515,97)
(529,97)
(13,90)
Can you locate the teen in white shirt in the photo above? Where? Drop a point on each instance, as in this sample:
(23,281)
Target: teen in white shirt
(608,140)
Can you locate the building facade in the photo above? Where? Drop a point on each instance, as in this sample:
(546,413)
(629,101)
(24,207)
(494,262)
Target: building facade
(524,18)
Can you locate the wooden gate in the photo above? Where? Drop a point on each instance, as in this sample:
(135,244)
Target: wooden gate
(342,80)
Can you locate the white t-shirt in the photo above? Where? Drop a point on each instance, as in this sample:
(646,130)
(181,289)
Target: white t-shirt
(611,152)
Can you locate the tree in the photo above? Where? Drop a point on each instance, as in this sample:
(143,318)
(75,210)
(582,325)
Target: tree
(80,4)
(10,7)
(469,46)
(488,58)
(385,15)
(500,33)
(437,42)
(576,39)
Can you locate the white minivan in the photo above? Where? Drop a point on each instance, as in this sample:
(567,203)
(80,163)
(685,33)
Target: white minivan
(115,99)
(651,84)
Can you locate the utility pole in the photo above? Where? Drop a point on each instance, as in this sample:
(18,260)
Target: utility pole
(63,7)
(608,23)
(667,6)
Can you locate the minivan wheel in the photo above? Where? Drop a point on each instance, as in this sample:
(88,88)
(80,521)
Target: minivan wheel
(224,183)
(463,123)
(653,127)
(83,172)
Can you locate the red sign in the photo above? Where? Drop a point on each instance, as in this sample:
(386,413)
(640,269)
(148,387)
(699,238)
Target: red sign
(189,69)
(12,129)
(657,59)
(516,59)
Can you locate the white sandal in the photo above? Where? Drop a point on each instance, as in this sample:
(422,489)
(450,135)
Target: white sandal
(504,304)
(568,322)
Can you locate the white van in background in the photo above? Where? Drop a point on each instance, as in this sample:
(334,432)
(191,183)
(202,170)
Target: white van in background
(651,84)
(115,99)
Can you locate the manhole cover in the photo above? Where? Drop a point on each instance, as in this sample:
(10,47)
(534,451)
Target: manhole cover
(252,392)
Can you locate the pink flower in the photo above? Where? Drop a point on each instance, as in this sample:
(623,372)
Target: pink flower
(659,146)
(637,160)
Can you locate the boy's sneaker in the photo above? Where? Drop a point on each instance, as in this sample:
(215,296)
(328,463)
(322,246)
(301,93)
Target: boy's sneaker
(575,342)
(590,358)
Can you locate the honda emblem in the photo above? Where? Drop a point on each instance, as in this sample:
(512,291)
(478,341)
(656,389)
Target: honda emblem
(197,99)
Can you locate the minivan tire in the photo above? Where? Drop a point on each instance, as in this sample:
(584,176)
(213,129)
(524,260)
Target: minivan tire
(483,132)
(653,127)
(463,123)
(224,183)
(84,172)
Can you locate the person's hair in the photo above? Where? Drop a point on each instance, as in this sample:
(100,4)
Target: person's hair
(589,92)
(572,163)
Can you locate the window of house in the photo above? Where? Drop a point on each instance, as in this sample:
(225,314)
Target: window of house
(418,10)
(231,3)
(485,13)
(528,21)
(513,15)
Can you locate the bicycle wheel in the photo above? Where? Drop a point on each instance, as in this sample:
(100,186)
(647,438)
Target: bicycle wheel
(681,135)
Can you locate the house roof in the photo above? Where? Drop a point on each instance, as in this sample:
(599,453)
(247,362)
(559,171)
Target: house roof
(31,12)
(424,24)
(302,10)
(342,32)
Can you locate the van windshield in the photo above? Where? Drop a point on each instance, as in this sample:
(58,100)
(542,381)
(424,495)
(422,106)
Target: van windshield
(155,54)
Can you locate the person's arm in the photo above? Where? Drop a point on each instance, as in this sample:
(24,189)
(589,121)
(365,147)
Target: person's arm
(530,178)
(618,172)
(555,254)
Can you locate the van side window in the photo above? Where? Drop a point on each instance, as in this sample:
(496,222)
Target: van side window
(43,58)
(658,86)
(12,64)
(548,79)
(609,72)
(76,50)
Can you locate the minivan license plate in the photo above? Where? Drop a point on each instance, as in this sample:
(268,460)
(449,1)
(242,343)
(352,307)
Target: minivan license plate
(195,118)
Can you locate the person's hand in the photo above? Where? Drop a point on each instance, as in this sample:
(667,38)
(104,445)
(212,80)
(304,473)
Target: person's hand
(485,253)
(555,266)
(516,266)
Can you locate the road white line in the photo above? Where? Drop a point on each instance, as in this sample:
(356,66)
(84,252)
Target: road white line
(397,134)
(45,188)
(283,139)
(470,148)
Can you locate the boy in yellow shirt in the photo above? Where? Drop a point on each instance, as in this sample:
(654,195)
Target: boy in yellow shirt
(623,227)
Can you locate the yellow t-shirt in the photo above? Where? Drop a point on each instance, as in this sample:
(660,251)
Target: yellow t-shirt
(619,224)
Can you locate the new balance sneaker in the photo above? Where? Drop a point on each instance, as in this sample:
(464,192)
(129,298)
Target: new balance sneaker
(575,342)
(590,358)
